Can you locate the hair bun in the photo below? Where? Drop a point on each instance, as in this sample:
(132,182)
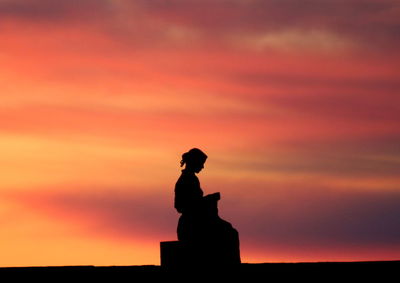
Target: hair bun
(184,158)
(192,155)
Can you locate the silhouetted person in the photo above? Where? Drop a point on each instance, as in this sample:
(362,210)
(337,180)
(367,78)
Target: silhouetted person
(208,238)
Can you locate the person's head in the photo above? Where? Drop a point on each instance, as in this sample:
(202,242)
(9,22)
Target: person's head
(194,160)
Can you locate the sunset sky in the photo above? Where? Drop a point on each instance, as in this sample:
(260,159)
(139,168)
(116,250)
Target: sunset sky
(296,103)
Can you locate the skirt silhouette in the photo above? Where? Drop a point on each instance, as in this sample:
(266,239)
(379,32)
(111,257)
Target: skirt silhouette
(208,238)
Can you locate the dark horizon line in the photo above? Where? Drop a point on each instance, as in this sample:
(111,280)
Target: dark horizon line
(243,263)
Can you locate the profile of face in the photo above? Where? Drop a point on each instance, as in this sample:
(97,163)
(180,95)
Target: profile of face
(196,165)
(194,160)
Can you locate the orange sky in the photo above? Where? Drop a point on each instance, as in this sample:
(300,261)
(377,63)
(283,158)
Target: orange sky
(296,104)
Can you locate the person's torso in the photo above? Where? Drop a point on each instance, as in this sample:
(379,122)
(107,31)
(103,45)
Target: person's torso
(188,193)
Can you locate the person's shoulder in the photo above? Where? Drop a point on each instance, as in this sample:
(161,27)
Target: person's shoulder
(187,176)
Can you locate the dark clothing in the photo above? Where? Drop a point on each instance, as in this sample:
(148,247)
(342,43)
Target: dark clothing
(199,225)
(189,201)
(188,194)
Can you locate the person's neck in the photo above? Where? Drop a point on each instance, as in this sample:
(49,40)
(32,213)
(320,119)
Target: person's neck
(188,170)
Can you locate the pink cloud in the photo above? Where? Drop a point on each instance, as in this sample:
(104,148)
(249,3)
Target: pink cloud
(166,75)
(287,217)
(108,214)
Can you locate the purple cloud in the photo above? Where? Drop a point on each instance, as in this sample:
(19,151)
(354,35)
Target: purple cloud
(52,11)
(373,22)
(319,216)
(296,216)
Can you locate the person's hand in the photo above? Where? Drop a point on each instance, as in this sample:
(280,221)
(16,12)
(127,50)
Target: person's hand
(214,196)
(217,196)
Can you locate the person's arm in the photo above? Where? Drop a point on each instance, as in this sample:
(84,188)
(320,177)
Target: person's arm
(214,196)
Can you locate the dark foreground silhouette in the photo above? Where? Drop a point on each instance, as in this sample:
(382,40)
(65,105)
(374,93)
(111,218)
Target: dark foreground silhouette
(383,271)
(204,238)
